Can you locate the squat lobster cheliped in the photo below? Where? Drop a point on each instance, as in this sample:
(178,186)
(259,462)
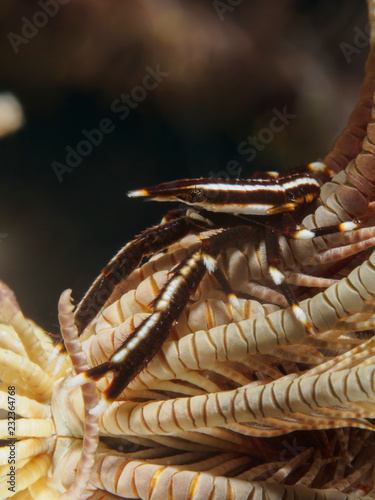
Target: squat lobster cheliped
(235,210)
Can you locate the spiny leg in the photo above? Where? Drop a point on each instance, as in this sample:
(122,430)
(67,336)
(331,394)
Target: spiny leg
(347,252)
(274,259)
(225,286)
(302,234)
(274,256)
(154,239)
(141,346)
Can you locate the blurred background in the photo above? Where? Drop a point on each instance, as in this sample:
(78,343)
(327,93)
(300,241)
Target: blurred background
(113,96)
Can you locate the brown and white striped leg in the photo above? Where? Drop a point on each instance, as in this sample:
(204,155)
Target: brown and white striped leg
(141,346)
(307,234)
(227,289)
(154,239)
(274,260)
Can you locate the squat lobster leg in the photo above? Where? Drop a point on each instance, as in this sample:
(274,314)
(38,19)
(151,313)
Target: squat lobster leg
(141,346)
(127,259)
(274,261)
(145,341)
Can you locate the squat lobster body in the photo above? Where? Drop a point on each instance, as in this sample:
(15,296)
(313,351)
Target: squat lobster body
(224,206)
(268,194)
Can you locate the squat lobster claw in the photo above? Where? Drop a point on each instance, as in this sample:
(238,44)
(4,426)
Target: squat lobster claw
(238,210)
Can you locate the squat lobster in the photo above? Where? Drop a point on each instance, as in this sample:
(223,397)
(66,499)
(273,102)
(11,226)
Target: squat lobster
(237,209)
